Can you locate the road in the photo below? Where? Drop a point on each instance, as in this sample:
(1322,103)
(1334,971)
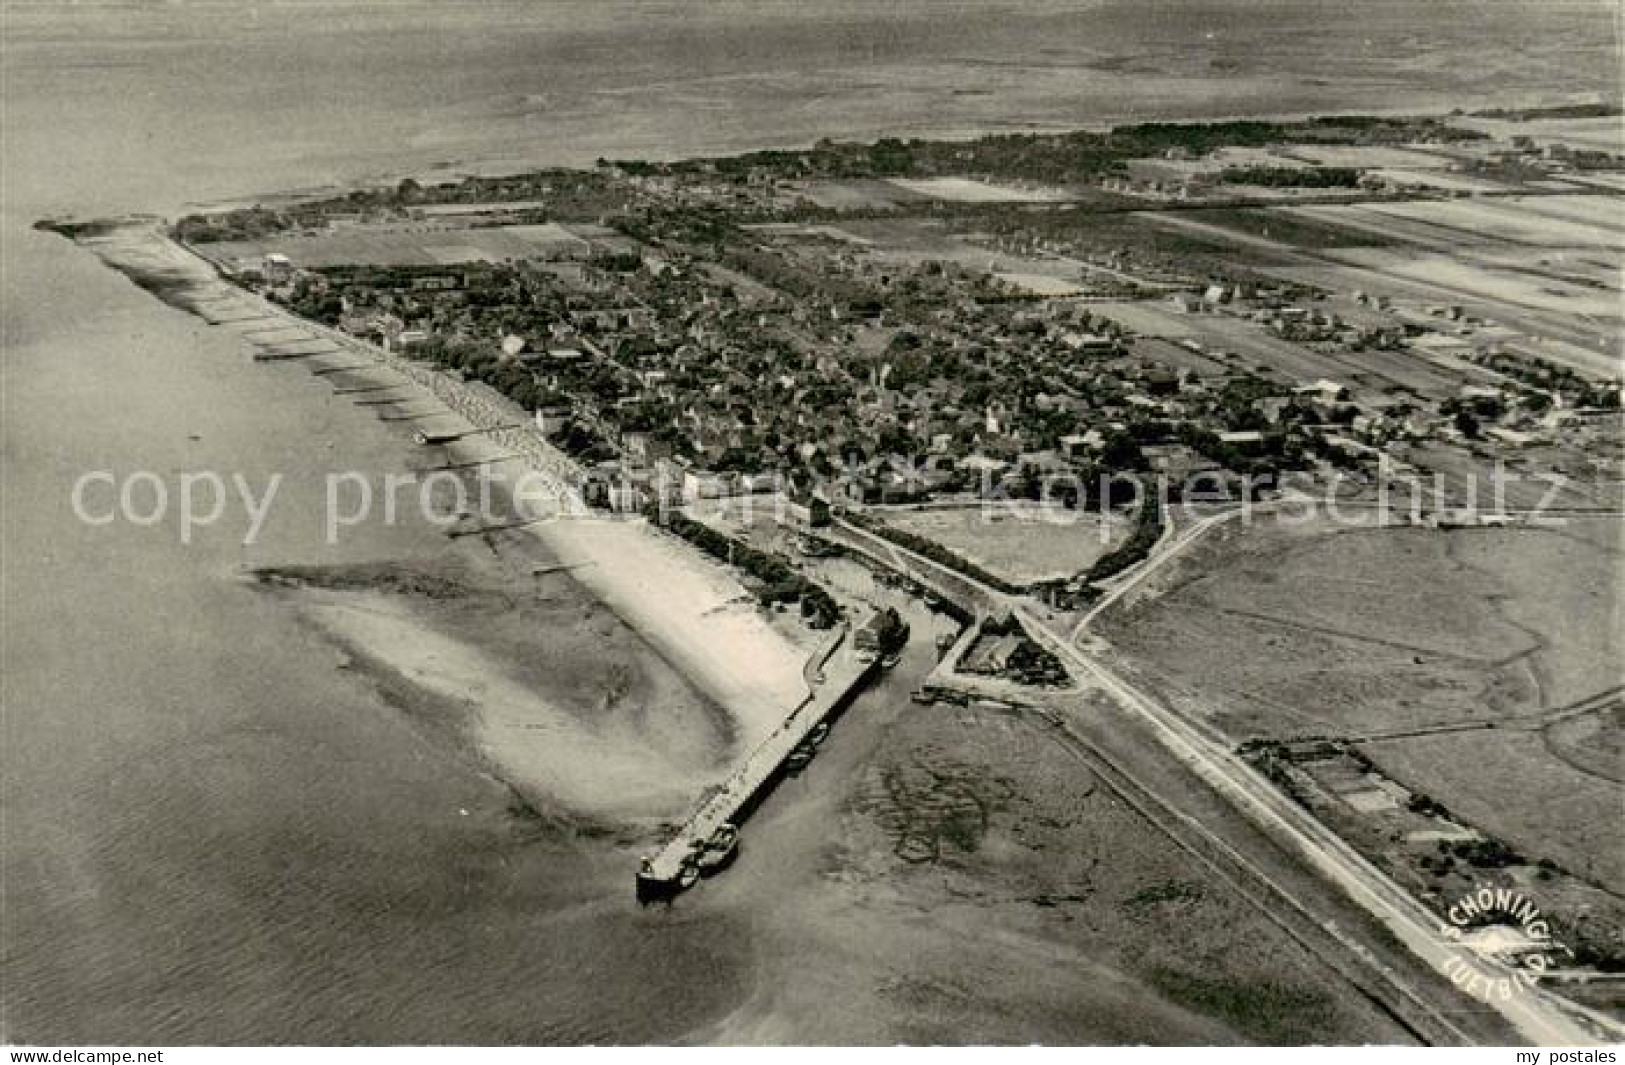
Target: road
(1544,1019)
(1166,550)
(1538,1016)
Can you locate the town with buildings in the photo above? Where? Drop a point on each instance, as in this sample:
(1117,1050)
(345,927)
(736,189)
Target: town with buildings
(1019,318)
(936,523)
(1012,390)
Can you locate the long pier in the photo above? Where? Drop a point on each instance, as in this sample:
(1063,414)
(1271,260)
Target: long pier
(674,867)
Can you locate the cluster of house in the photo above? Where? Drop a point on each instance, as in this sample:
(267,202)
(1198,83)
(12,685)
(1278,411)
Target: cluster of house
(1557,158)
(701,383)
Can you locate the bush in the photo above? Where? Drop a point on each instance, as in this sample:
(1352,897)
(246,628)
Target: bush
(1316,177)
(936,553)
(1147,531)
(778,582)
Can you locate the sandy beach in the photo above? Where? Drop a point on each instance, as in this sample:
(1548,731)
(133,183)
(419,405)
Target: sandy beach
(696,612)
(691,610)
(251,811)
(630,746)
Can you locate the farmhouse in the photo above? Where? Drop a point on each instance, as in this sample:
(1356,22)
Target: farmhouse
(1089,343)
(278,268)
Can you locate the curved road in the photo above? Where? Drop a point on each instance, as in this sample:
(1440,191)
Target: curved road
(1540,1017)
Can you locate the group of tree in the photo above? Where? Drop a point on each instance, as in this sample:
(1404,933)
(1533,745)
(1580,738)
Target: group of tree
(776,581)
(1057,157)
(1303,177)
(1148,528)
(936,552)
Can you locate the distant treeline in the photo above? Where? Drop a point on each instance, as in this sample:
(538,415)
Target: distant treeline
(1301,177)
(570,195)
(936,552)
(1598,110)
(247,223)
(779,583)
(1056,157)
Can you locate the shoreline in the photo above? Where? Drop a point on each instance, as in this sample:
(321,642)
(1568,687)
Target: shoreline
(585,773)
(688,609)
(686,606)
(499,165)
(602,545)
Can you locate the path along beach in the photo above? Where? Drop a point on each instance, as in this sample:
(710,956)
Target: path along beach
(692,610)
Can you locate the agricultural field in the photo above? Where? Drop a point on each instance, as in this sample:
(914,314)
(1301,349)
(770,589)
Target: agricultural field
(1598,212)
(1457,470)
(913,241)
(1428,225)
(436,210)
(1233,344)
(1368,156)
(411,244)
(1477,666)
(1149,318)
(1429,167)
(1545,268)
(807,231)
(1599,180)
(969,190)
(1258,349)
(855,194)
(1443,180)
(1406,369)
(1511,784)
(1471,223)
(1020,544)
(1592,739)
(1553,254)
(1561,329)
(1255,232)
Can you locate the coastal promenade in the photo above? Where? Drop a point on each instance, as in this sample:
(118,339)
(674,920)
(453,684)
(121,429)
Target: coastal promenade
(186,278)
(833,675)
(691,609)
(674,867)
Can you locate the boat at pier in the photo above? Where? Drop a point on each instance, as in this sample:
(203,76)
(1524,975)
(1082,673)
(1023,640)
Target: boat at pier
(717,851)
(709,838)
(798,759)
